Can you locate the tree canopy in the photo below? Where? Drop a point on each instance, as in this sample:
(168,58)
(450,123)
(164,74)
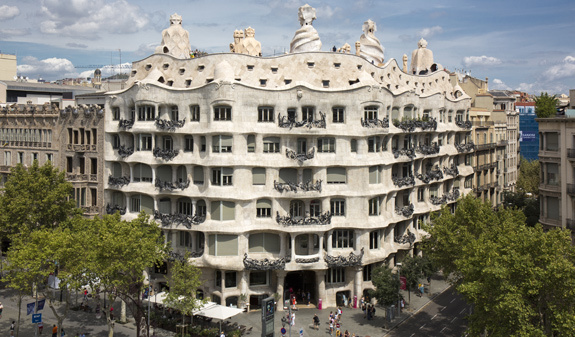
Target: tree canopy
(545,105)
(520,279)
(528,178)
(386,285)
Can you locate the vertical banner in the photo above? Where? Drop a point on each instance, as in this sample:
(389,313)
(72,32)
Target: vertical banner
(30,308)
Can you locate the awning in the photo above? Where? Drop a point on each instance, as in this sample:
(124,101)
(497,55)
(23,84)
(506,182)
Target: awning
(217,311)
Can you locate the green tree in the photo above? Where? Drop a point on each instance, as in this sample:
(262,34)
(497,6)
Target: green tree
(184,282)
(529,205)
(415,268)
(34,198)
(545,105)
(386,285)
(520,279)
(528,178)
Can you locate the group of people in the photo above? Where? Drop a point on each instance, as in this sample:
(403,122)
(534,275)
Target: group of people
(196,53)
(335,324)
(367,308)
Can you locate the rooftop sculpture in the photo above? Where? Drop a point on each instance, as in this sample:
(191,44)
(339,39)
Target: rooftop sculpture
(371,48)
(175,39)
(306,38)
(422,60)
(245,43)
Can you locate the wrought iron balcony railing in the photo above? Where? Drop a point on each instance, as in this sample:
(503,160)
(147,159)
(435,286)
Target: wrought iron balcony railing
(451,170)
(165,154)
(171,186)
(462,148)
(301,157)
(265,264)
(292,187)
(464,124)
(375,123)
(179,219)
(410,152)
(118,181)
(125,124)
(168,124)
(111,209)
(288,220)
(433,174)
(406,211)
(404,181)
(411,125)
(344,261)
(286,122)
(428,149)
(409,237)
(125,152)
(452,196)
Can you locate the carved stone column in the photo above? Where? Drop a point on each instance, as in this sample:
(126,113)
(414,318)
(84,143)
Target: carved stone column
(321,245)
(223,282)
(328,243)
(320,279)
(128,204)
(281,275)
(358,282)
(131,173)
(292,238)
(283,244)
(244,283)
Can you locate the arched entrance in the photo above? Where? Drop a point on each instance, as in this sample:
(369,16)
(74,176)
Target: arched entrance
(298,284)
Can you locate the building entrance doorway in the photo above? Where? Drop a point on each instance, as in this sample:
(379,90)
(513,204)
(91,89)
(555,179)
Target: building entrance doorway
(297,284)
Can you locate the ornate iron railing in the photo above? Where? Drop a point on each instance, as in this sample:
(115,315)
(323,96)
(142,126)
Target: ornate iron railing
(165,154)
(464,124)
(342,261)
(462,148)
(410,152)
(375,123)
(300,157)
(409,237)
(173,256)
(428,149)
(451,170)
(126,124)
(179,219)
(115,208)
(118,181)
(292,187)
(433,174)
(405,181)
(125,152)
(170,186)
(168,124)
(265,264)
(406,211)
(307,260)
(288,220)
(412,124)
(286,122)
(452,196)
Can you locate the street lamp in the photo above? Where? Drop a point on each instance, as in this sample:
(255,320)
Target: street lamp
(398,265)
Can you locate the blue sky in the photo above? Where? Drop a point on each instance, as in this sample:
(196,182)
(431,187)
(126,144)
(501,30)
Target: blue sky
(517,44)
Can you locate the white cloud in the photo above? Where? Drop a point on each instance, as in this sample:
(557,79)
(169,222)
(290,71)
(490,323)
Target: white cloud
(47,68)
(327,11)
(562,70)
(429,32)
(85,18)
(8,33)
(146,49)
(8,12)
(469,61)
(499,85)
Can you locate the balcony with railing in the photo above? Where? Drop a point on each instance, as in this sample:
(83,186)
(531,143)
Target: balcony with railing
(431,174)
(451,170)
(300,157)
(289,220)
(171,186)
(465,148)
(168,124)
(340,261)
(375,123)
(301,187)
(290,123)
(487,146)
(124,152)
(165,154)
(409,125)
(403,181)
(111,209)
(179,219)
(125,124)
(409,152)
(405,211)
(464,124)
(118,182)
(427,150)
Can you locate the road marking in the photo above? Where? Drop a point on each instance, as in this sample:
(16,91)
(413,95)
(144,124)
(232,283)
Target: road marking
(462,311)
(434,316)
(442,308)
(443,329)
(421,327)
(452,300)
(453,320)
(413,334)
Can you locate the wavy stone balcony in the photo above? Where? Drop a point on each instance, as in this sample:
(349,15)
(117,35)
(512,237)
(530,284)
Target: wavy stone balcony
(411,124)
(118,182)
(409,237)
(428,150)
(300,157)
(433,174)
(124,152)
(375,123)
(125,124)
(288,220)
(264,264)
(406,211)
(464,148)
(452,196)
(451,170)
(179,219)
(111,209)
(303,187)
(342,261)
(289,123)
(165,154)
(81,147)
(405,181)
(410,152)
(171,186)
(168,124)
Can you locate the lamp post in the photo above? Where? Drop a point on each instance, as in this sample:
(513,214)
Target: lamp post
(398,265)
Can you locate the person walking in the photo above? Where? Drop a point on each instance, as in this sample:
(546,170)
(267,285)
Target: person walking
(40,327)
(316,322)
(1,309)
(12,327)
(55,331)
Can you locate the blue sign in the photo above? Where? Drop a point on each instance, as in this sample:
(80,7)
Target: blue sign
(30,308)
(41,304)
(283,331)
(525,136)
(36,318)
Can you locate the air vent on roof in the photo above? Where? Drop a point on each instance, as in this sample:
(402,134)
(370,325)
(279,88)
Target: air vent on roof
(274,70)
(182,71)
(250,67)
(201,67)
(352,82)
(337,65)
(286,81)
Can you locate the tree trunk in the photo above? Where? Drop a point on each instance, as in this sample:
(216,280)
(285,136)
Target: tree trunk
(20,295)
(123,312)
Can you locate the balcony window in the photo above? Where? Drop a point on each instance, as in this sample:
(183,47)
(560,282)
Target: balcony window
(373,144)
(307,113)
(374,206)
(264,243)
(116,113)
(337,207)
(144,142)
(198,175)
(142,202)
(146,113)
(142,172)
(223,113)
(265,114)
(195,113)
(222,144)
(188,144)
(335,275)
(296,208)
(223,210)
(185,206)
(342,239)
(338,114)
(288,175)
(222,176)
(374,240)
(552,174)
(314,208)
(264,208)
(326,145)
(251,142)
(336,175)
(222,245)
(271,145)
(370,112)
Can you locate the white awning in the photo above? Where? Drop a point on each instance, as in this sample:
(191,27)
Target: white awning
(217,311)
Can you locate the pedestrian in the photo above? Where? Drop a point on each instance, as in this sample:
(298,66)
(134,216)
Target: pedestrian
(330,326)
(316,322)
(308,298)
(1,308)
(55,331)
(63,333)
(40,327)
(12,327)
(294,302)
(346,333)
(222,334)
(86,295)
(363,308)
(292,319)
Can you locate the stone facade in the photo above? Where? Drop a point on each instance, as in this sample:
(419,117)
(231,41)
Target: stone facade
(301,171)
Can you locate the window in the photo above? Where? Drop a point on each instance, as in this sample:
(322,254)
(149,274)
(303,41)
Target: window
(34,156)
(449,116)
(258,176)
(325,83)
(259,278)
(185,239)
(420,193)
(142,172)
(195,113)
(198,175)
(231,279)
(251,143)
(49,157)
(222,176)
(184,206)
(326,145)
(553,208)
(94,196)
(373,144)
(314,208)
(222,245)
(264,243)
(552,173)
(174,112)
(335,275)
(271,145)
(203,144)
(265,114)
(222,143)
(115,141)
(116,113)
(468,159)
(223,210)
(288,175)
(264,208)
(367,271)
(296,208)
(20,159)
(141,202)
(342,239)
(69,164)
(353,145)
(188,144)
(374,240)
(7,158)
(218,279)
(307,113)
(144,142)
(426,114)
(552,142)
(375,174)
(82,165)
(94,165)
(337,207)
(336,175)
(370,112)
(80,196)
(146,113)
(338,114)
(223,113)
(301,146)
(374,206)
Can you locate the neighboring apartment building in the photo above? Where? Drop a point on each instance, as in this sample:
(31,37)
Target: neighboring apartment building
(504,101)
(51,126)
(303,171)
(528,131)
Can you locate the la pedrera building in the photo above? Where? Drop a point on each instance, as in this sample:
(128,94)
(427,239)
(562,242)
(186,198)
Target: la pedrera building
(301,172)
